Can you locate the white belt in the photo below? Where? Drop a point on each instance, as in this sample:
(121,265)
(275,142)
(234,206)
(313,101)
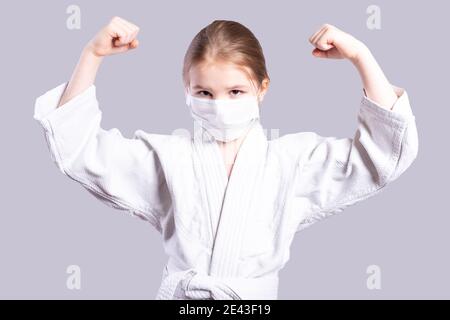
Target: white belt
(189,284)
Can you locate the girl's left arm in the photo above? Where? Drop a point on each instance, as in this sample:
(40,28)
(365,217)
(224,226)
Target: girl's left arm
(333,173)
(332,43)
(376,85)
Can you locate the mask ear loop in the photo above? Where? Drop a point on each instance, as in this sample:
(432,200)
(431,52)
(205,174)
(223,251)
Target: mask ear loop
(187,96)
(259,97)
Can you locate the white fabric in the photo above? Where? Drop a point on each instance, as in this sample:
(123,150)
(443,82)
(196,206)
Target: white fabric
(190,284)
(226,120)
(227,239)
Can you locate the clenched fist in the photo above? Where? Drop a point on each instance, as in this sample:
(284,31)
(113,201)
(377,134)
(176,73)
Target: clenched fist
(117,36)
(333,43)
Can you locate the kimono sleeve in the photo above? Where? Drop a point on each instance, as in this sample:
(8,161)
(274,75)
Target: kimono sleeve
(335,172)
(123,173)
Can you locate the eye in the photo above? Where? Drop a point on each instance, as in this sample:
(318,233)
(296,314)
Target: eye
(234,91)
(200,93)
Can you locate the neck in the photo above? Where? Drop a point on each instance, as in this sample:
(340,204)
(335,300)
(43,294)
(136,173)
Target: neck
(230,149)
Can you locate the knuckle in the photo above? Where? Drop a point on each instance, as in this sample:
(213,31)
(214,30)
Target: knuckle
(112,27)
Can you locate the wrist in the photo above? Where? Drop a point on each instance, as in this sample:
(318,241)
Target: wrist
(362,54)
(89,53)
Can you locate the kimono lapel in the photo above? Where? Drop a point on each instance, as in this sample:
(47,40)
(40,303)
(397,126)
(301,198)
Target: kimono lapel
(210,170)
(230,201)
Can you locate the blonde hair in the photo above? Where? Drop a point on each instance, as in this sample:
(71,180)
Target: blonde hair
(227,41)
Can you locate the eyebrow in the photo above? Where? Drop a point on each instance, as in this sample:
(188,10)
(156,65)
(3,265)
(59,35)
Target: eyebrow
(233,87)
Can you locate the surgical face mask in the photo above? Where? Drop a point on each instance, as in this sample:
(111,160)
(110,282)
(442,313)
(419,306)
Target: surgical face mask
(225,119)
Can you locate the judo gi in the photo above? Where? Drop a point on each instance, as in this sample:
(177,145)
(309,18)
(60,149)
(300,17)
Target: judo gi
(227,238)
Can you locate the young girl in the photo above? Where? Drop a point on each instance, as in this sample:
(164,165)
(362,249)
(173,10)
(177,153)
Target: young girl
(227,201)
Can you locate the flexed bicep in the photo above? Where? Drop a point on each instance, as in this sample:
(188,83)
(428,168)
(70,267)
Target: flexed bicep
(124,173)
(336,172)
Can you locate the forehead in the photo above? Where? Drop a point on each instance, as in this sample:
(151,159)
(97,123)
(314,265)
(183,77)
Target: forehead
(218,75)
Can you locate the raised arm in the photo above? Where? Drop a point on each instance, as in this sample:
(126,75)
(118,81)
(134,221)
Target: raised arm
(124,173)
(117,37)
(333,173)
(332,43)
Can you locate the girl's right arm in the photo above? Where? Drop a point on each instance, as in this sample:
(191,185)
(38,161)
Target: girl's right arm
(124,173)
(117,37)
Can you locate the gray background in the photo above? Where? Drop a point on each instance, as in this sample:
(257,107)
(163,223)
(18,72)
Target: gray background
(48,222)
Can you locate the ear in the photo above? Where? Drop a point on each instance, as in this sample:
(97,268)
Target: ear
(264,87)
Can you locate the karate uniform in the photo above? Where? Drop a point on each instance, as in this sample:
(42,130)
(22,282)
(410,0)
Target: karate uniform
(227,239)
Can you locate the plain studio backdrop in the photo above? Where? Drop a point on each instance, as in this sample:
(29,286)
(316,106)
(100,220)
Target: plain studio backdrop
(49,222)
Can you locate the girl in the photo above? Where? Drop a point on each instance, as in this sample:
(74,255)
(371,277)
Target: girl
(227,201)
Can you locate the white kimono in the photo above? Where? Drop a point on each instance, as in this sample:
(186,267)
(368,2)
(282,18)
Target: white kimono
(227,239)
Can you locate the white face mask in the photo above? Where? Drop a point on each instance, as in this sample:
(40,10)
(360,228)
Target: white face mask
(224,119)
